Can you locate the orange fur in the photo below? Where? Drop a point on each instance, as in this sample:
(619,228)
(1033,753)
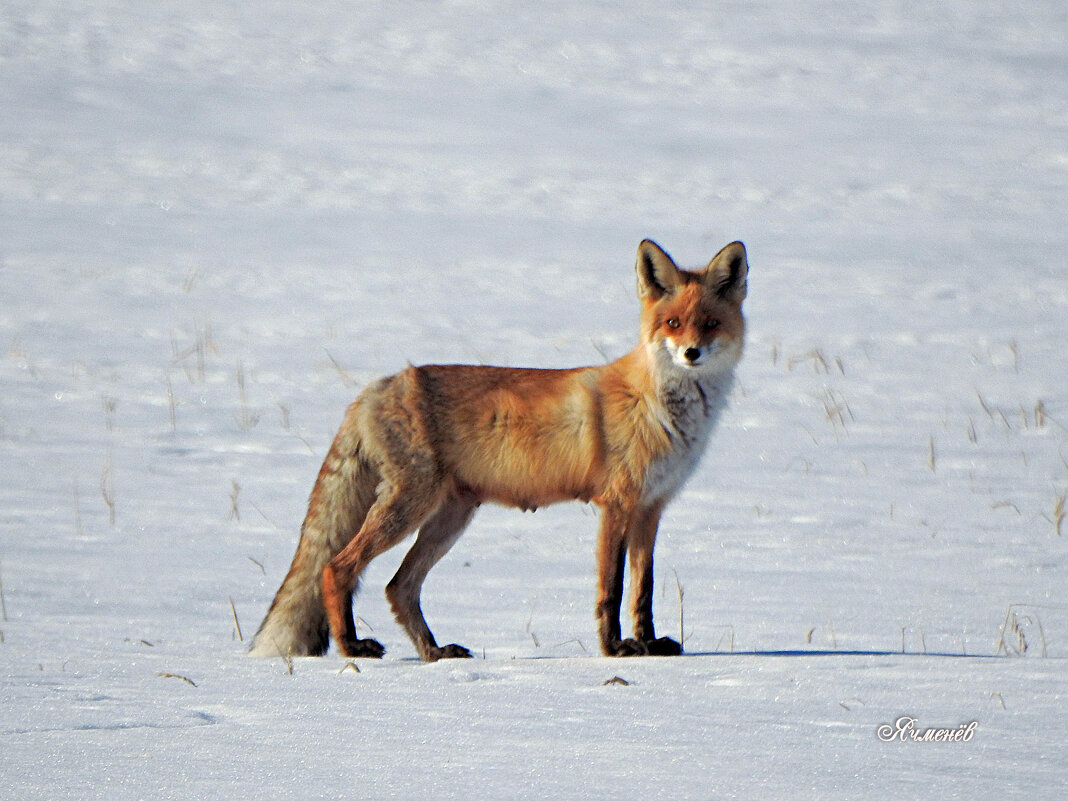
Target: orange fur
(420,450)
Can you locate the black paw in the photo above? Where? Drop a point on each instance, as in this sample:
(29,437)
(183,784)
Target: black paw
(364,649)
(663,646)
(452,651)
(627,647)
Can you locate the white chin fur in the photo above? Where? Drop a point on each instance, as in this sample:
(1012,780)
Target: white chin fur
(712,357)
(678,356)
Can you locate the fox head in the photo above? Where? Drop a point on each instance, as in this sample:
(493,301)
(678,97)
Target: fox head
(692,320)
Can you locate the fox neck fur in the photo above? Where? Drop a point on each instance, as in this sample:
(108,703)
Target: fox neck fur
(687,408)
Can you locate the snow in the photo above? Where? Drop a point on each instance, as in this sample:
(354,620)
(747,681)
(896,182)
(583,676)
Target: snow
(218,221)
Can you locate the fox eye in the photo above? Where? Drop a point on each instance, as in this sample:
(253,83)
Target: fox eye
(711,325)
(673,322)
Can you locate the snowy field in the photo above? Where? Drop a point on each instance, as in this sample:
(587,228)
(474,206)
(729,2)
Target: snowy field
(219,220)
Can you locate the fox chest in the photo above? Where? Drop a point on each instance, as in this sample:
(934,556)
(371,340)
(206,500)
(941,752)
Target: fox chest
(687,417)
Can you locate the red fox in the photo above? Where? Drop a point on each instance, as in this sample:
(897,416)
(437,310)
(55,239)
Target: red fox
(421,450)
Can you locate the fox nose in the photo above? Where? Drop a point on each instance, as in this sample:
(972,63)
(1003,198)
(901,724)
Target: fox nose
(692,354)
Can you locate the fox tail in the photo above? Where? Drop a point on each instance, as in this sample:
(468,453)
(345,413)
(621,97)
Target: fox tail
(296,623)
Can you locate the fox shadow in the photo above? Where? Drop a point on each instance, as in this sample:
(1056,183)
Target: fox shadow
(804,652)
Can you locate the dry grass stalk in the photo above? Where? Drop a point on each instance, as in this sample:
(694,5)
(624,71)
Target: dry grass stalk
(3,604)
(237,624)
(109,411)
(815,356)
(728,635)
(165,675)
(172,405)
(1040,414)
(530,621)
(682,608)
(345,377)
(1013,636)
(107,488)
(235,490)
(837,409)
(906,630)
(203,343)
(78,527)
(246,419)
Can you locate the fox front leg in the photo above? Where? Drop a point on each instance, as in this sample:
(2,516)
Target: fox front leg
(611,551)
(640,538)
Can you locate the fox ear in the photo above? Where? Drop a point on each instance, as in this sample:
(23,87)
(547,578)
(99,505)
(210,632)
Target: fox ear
(657,274)
(726,274)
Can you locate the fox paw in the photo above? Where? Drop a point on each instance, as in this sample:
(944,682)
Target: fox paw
(452,651)
(627,647)
(663,646)
(366,649)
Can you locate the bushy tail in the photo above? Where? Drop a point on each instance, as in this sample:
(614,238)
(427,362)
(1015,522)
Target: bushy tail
(296,623)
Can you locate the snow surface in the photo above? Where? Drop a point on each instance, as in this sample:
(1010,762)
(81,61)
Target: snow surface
(219,220)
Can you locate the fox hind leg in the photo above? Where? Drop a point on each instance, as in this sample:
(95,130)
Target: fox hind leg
(398,511)
(437,535)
